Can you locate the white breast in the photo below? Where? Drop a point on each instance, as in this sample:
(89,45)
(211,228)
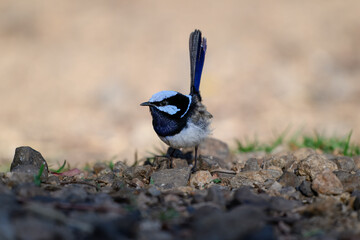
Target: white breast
(190,136)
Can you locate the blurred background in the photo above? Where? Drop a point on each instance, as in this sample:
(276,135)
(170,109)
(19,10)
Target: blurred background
(73,73)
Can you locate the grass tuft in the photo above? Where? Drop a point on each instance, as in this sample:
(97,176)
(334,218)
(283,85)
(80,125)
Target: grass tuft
(333,145)
(37,178)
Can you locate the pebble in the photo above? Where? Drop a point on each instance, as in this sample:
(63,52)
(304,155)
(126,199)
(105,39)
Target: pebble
(350,182)
(289,179)
(356,162)
(345,163)
(170,178)
(302,153)
(119,167)
(200,179)
(215,152)
(327,183)
(100,166)
(280,160)
(305,188)
(28,160)
(315,164)
(251,165)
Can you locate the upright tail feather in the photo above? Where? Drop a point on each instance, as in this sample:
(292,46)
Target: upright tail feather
(197,47)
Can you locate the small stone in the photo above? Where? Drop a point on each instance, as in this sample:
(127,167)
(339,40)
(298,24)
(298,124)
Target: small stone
(302,153)
(356,203)
(28,160)
(106,178)
(119,167)
(137,183)
(262,175)
(315,164)
(179,163)
(153,191)
(251,165)
(216,150)
(170,178)
(53,180)
(305,189)
(327,183)
(241,158)
(99,166)
(140,172)
(161,162)
(276,186)
(345,163)
(16,178)
(289,179)
(280,160)
(356,162)
(350,182)
(200,179)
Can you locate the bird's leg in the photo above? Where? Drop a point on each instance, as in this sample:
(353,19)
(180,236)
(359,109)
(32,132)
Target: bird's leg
(170,154)
(195,160)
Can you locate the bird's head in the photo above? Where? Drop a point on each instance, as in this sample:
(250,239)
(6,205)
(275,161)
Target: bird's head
(172,104)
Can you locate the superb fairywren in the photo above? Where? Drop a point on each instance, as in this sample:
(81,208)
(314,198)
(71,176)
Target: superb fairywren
(180,120)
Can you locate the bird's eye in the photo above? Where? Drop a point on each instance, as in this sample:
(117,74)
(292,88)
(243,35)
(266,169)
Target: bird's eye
(163,103)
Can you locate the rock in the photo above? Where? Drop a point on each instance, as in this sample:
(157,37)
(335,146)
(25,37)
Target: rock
(106,177)
(315,164)
(289,179)
(16,178)
(253,178)
(153,191)
(212,152)
(179,163)
(28,160)
(235,224)
(350,182)
(356,162)
(170,178)
(161,162)
(327,183)
(345,163)
(280,160)
(356,203)
(240,181)
(251,165)
(140,172)
(262,175)
(119,168)
(200,179)
(305,189)
(241,158)
(137,183)
(302,153)
(99,166)
(290,192)
(275,186)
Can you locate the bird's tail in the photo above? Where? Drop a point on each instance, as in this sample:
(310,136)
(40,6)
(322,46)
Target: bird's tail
(197,47)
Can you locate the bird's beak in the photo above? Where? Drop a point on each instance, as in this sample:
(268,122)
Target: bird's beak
(146,104)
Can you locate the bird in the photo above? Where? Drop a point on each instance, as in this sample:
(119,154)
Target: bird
(182,121)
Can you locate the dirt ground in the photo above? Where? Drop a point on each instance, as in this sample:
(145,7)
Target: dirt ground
(73,73)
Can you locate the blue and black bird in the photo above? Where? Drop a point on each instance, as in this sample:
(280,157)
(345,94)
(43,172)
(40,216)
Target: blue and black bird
(182,121)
